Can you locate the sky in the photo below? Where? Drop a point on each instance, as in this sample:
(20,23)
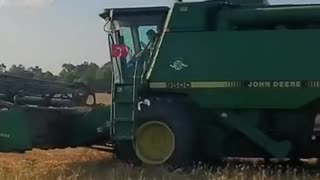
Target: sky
(49,33)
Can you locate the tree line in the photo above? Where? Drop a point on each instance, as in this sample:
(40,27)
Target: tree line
(98,78)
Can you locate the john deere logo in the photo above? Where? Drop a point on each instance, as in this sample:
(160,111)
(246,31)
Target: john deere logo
(178,64)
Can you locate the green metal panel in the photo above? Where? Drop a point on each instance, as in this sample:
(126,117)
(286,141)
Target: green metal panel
(190,16)
(124,92)
(255,133)
(199,16)
(256,67)
(15,132)
(302,14)
(241,57)
(90,128)
(22,130)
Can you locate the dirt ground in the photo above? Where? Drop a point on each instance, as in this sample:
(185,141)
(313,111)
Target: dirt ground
(73,163)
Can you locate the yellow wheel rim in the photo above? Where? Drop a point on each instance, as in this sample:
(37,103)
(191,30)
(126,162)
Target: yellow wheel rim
(154,143)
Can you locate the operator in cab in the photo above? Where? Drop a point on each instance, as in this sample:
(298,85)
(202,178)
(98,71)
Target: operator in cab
(151,34)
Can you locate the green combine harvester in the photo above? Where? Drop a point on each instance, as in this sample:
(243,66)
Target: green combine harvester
(198,81)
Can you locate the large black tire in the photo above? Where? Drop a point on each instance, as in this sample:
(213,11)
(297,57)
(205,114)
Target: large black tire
(177,114)
(124,151)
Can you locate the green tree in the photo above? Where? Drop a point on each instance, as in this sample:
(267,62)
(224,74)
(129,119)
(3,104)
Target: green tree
(68,77)
(68,73)
(48,76)
(87,72)
(105,72)
(37,71)
(68,67)
(3,68)
(20,71)
(103,78)
(15,68)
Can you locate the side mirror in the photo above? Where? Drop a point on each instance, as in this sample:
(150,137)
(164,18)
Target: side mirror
(119,51)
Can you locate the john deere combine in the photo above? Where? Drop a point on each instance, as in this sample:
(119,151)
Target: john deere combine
(198,81)
(212,79)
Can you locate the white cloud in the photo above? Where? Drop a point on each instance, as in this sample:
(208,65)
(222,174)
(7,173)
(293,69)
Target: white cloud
(25,3)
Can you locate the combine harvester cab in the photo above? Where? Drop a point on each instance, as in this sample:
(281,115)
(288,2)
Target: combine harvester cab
(215,79)
(46,115)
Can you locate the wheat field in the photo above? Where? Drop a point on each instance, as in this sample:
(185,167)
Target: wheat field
(87,164)
(83,164)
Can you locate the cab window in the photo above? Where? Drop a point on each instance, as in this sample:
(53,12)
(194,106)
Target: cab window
(144,40)
(127,39)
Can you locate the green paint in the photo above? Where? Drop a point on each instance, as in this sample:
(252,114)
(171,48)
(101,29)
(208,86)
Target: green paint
(242,56)
(276,149)
(230,58)
(15,134)
(89,128)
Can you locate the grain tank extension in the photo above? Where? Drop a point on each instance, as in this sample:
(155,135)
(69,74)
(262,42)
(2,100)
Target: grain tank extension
(212,79)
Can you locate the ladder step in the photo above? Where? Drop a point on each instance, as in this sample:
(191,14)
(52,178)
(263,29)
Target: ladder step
(122,138)
(123,84)
(123,120)
(124,102)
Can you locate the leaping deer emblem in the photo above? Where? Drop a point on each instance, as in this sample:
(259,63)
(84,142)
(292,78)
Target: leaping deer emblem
(178,64)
